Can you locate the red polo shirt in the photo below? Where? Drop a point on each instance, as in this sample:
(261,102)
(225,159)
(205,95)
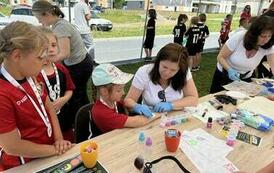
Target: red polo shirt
(17,112)
(107,119)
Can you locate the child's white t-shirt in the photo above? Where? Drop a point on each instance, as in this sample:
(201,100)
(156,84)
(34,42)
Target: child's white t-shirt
(150,97)
(238,59)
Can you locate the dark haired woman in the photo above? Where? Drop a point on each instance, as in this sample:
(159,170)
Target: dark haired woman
(243,52)
(72,51)
(246,13)
(165,85)
(150,34)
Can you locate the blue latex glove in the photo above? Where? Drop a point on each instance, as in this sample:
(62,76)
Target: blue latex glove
(268,85)
(163,107)
(233,74)
(142,110)
(264,92)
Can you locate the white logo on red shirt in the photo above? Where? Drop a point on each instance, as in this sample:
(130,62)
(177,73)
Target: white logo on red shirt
(19,102)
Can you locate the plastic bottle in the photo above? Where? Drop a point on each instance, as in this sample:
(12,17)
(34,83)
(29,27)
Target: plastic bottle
(148,149)
(163,120)
(209,122)
(172,120)
(141,144)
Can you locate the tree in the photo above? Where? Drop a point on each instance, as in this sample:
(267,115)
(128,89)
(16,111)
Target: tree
(4,1)
(118,3)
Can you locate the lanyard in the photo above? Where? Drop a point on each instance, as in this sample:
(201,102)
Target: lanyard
(43,113)
(54,91)
(115,105)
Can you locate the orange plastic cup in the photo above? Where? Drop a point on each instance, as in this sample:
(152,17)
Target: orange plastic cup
(172,139)
(89,153)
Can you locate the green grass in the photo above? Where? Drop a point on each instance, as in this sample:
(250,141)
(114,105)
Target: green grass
(122,16)
(131,23)
(5,10)
(202,78)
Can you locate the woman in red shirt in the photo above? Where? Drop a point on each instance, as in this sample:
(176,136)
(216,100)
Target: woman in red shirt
(246,13)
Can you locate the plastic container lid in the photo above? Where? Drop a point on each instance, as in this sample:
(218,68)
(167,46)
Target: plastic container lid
(141,137)
(149,141)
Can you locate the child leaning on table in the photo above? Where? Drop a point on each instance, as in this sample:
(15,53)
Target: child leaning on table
(28,123)
(106,112)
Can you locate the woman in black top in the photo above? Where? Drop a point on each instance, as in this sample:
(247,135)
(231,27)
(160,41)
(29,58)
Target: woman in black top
(150,34)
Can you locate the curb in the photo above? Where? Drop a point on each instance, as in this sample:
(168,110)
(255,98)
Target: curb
(138,60)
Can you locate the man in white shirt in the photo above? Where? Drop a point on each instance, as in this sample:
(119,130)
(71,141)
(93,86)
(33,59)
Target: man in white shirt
(82,15)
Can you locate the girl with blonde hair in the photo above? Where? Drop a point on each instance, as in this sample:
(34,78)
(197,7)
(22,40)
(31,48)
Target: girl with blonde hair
(29,126)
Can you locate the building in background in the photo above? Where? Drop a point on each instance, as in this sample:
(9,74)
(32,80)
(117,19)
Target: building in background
(212,6)
(135,4)
(204,6)
(169,5)
(105,3)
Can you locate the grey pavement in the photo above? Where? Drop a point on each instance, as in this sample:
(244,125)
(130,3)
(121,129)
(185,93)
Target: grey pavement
(126,49)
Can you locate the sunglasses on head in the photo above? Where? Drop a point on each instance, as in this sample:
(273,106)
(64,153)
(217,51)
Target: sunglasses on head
(162,96)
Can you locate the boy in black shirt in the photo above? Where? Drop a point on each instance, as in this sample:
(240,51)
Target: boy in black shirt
(193,34)
(204,33)
(180,29)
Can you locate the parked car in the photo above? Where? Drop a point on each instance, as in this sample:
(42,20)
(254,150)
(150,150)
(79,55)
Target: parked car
(97,23)
(23,13)
(98,9)
(4,21)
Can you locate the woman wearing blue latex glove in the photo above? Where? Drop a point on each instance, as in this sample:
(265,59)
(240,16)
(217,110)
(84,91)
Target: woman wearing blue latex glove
(163,107)
(166,84)
(142,110)
(233,74)
(243,52)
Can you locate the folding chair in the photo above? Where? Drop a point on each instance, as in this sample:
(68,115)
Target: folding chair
(85,128)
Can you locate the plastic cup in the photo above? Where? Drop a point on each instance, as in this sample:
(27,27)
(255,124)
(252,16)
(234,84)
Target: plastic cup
(89,154)
(172,139)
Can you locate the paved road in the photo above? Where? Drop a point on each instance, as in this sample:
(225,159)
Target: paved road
(129,48)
